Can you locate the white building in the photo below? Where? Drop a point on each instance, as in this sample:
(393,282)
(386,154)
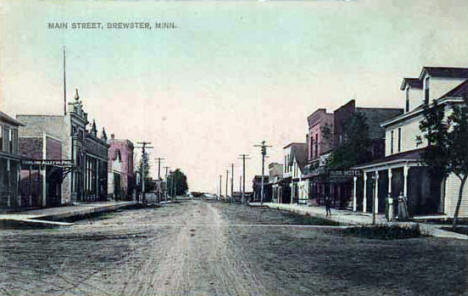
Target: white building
(401,171)
(295,159)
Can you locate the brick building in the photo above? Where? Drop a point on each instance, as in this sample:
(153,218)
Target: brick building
(121,174)
(80,164)
(9,162)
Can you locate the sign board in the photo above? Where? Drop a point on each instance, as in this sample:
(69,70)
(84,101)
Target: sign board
(50,162)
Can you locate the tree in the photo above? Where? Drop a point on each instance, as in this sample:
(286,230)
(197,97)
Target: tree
(177,180)
(447,138)
(355,145)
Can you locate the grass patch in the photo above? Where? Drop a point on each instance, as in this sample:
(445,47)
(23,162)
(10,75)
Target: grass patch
(383,232)
(460,230)
(309,220)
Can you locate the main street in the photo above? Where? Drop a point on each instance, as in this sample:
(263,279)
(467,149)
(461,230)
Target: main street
(211,248)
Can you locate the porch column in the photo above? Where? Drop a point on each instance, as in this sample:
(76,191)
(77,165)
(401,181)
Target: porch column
(292,193)
(354,193)
(8,188)
(44,171)
(30,185)
(18,180)
(97,179)
(364,190)
(376,206)
(44,186)
(389,181)
(405,180)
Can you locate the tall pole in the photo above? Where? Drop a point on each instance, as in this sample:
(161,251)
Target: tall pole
(64,84)
(263,179)
(167,185)
(159,196)
(263,149)
(243,157)
(144,146)
(227,181)
(159,166)
(174,190)
(232,182)
(220,186)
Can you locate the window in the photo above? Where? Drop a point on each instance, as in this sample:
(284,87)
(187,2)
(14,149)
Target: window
(426,91)
(399,139)
(316,145)
(10,140)
(391,142)
(1,138)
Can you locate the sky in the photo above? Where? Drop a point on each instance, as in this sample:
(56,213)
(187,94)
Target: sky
(229,76)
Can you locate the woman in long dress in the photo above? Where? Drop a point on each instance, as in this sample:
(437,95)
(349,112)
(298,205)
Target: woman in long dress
(402,207)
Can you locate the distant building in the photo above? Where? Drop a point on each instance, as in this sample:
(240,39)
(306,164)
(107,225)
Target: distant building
(257,188)
(294,188)
(400,170)
(317,142)
(83,160)
(121,174)
(275,172)
(9,162)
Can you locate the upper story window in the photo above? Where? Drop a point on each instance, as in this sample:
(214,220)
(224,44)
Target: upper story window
(311,143)
(1,138)
(426,90)
(10,141)
(391,142)
(316,145)
(6,136)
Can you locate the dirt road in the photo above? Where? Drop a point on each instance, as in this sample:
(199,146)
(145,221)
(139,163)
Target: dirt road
(181,249)
(195,259)
(203,248)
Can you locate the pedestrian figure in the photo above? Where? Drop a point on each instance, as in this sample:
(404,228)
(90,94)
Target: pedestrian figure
(402,207)
(327,206)
(389,210)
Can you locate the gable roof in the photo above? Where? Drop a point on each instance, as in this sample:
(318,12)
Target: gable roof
(299,152)
(449,72)
(460,91)
(412,82)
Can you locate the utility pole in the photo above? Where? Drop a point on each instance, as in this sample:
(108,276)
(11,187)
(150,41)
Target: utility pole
(240,183)
(227,181)
(174,191)
(64,84)
(158,159)
(263,150)
(144,146)
(220,186)
(167,185)
(243,157)
(232,182)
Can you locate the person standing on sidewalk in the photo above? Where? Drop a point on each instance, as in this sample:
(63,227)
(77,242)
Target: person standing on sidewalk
(327,206)
(402,207)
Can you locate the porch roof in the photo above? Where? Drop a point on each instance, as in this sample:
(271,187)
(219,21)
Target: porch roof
(412,157)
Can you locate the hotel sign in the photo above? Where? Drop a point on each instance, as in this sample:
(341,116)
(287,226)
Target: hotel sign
(347,173)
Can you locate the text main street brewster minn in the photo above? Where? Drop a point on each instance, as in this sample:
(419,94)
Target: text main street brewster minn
(117,25)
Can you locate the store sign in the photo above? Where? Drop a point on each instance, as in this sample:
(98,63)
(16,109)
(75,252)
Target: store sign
(348,173)
(42,162)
